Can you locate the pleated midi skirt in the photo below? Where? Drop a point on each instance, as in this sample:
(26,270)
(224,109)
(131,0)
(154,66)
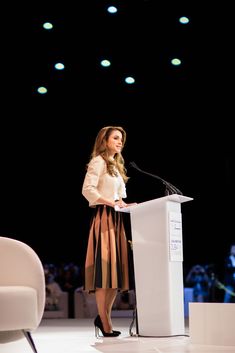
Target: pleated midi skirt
(106,264)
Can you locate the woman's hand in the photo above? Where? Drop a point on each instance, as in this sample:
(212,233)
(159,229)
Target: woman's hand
(132,204)
(120,203)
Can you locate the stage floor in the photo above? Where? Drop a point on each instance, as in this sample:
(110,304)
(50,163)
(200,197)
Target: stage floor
(78,336)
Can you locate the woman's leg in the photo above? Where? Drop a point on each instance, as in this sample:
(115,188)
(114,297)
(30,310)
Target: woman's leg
(110,298)
(101,300)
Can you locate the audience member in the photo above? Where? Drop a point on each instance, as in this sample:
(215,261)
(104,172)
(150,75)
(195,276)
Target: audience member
(53,292)
(69,280)
(229,278)
(199,280)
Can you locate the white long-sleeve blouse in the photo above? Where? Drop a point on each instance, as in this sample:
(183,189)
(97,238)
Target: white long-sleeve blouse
(98,183)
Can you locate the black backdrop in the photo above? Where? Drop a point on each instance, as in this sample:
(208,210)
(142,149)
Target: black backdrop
(178,120)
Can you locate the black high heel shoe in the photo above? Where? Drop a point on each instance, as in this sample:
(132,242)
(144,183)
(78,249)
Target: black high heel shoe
(99,326)
(118,332)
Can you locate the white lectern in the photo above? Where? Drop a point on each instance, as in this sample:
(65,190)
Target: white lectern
(156,227)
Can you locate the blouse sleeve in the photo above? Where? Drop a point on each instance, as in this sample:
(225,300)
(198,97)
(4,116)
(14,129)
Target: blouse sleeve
(94,171)
(122,189)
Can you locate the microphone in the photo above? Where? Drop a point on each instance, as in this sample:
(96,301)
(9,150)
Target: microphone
(170,189)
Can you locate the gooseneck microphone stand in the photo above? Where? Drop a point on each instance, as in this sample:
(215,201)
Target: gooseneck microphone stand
(170,189)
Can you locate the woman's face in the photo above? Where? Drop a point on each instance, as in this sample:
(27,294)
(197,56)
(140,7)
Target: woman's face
(114,142)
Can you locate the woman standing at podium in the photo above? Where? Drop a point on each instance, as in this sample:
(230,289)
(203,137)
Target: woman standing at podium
(106,265)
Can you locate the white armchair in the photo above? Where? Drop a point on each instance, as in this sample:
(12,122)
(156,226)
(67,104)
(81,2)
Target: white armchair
(22,290)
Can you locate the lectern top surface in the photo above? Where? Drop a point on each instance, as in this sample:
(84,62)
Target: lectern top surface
(173,197)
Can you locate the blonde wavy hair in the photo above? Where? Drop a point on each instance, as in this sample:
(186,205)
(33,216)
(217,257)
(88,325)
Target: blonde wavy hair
(101,149)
